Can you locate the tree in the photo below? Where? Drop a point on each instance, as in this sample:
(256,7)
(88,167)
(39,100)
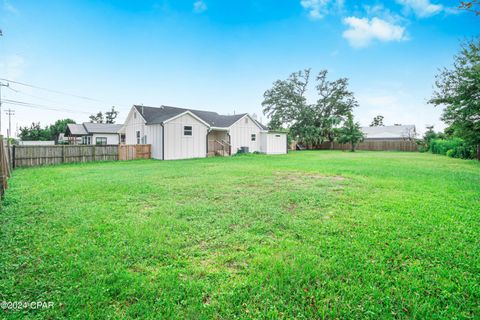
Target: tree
(285,102)
(34,133)
(96,118)
(108,117)
(286,106)
(473,6)
(377,122)
(111,115)
(350,132)
(428,137)
(458,90)
(60,126)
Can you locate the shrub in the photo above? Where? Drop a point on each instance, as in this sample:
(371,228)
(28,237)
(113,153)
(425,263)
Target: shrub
(454,148)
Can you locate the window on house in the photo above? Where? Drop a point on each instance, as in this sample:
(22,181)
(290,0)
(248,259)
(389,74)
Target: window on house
(187,130)
(134,115)
(100,140)
(86,140)
(254,137)
(246,120)
(144,139)
(277,135)
(122,138)
(138,137)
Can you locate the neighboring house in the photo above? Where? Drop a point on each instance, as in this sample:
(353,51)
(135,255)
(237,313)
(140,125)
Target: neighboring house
(177,133)
(396,132)
(93,133)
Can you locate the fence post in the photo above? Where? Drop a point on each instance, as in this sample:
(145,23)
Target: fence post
(9,154)
(94,152)
(63,153)
(13,156)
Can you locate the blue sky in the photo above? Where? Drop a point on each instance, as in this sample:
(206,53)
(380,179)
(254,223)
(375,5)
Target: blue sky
(222,55)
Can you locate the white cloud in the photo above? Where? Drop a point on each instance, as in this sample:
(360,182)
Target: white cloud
(199,6)
(421,8)
(362,31)
(317,9)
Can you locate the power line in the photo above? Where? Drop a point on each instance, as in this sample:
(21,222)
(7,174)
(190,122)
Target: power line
(51,90)
(125,108)
(35,96)
(39,106)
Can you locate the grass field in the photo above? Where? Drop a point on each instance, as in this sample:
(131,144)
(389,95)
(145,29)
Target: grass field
(306,235)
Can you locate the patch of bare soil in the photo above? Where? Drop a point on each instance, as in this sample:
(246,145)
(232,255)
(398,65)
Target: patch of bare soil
(295,176)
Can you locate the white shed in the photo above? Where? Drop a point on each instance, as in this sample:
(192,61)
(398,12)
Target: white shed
(274,142)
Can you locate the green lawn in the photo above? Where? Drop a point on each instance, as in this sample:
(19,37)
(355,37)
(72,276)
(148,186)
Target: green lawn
(307,235)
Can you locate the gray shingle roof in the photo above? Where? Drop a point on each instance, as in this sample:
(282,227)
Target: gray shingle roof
(102,127)
(388,132)
(91,128)
(76,129)
(157,115)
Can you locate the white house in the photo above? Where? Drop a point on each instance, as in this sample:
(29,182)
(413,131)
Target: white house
(177,133)
(396,132)
(94,133)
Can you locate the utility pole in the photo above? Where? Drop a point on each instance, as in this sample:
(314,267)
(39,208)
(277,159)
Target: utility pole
(2,85)
(9,113)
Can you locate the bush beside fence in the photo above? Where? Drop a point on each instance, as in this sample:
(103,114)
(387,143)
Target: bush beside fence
(454,148)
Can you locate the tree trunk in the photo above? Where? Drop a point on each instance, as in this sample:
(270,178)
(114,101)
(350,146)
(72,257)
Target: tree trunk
(353,147)
(478,152)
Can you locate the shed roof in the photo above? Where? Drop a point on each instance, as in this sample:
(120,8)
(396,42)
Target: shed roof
(157,115)
(388,132)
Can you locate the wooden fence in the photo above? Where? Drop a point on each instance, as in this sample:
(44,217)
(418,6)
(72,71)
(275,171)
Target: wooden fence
(4,166)
(30,156)
(134,151)
(374,145)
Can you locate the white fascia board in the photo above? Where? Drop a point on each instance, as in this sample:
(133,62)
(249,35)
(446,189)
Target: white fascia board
(254,121)
(184,113)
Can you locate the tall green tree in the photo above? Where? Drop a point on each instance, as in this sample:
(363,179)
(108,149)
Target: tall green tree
(350,132)
(60,126)
(458,90)
(36,133)
(286,105)
(377,121)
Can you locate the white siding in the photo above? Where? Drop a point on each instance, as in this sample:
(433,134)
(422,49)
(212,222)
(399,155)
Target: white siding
(241,135)
(274,143)
(132,125)
(154,138)
(179,146)
(112,138)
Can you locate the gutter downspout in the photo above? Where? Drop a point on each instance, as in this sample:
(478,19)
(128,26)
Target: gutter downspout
(163,141)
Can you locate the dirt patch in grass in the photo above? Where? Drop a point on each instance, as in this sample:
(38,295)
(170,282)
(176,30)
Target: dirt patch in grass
(294,176)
